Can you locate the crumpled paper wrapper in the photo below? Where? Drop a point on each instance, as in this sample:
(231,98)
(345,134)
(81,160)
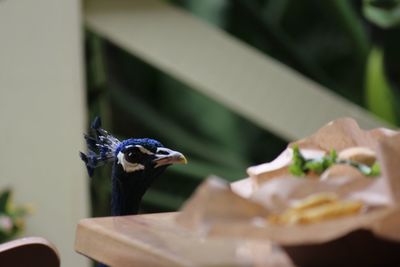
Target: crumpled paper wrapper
(216,210)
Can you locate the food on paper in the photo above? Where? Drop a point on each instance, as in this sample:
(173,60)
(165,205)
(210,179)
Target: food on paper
(338,181)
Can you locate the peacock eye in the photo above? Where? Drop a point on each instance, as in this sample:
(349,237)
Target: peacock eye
(131,157)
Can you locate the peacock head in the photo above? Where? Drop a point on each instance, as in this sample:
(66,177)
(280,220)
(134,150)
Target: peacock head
(131,156)
(137,162)
(137,154)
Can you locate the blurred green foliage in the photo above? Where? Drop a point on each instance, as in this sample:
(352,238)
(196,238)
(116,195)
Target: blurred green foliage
(384,13)
(12,217)
(341,44)
(380,101)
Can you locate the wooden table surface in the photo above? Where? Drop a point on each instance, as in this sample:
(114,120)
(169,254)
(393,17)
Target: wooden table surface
(156,240)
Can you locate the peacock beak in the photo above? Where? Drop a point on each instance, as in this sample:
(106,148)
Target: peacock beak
(165,156)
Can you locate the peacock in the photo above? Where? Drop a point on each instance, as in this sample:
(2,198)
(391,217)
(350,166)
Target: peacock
(137,162)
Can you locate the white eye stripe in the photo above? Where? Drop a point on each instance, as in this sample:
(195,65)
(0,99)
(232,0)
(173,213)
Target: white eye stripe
(128,166)
(144,150)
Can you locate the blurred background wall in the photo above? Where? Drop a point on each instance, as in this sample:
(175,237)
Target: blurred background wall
(207,78)
(42,117)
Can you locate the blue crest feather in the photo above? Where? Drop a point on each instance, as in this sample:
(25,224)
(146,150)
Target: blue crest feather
(101,147)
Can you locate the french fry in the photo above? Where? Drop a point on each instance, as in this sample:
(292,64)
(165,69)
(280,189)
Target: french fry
(328,211)
(317,208)
(315,200)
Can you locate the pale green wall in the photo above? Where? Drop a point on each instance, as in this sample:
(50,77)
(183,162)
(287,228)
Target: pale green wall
(42,116)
